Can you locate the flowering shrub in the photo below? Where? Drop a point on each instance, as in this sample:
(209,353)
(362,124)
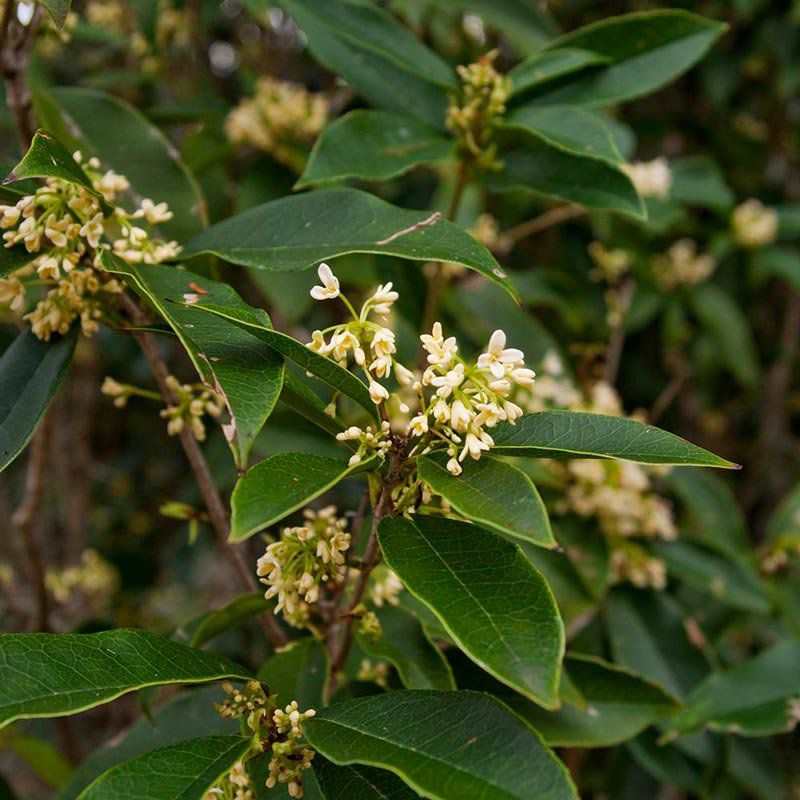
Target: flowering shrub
(412,314)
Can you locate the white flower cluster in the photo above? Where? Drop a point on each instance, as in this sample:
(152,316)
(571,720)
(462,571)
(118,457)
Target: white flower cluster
(302,560)
(289,756)
(93,580)
(282,118)
(455,402)
(681,265)
(385,587)
(634,564)
(754,224)
(651,178)
(63,226)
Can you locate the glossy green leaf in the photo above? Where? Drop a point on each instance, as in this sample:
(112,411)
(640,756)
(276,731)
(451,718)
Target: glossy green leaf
(276,486)
(301,399)
(645,51)
(58,11)
(733,583)
(665,763)
(183,771)
(587,551)
(12,258)
(30,373)
(647,633)
(246,371)
(568,128)
(297,672)
(550,172)
(380,58)
(327,370)
(373,145)
(403,644)
(295,233)
(99,124)
(725,698)
(547,65)
(569,434)
(445,745)
(233,614)
(191,710)
(698,181)
(52,675)
(349,782)
(492,493)
(618,704)
(491,600)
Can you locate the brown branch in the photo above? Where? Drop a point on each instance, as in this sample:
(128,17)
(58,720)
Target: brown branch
(215,508)
(616,341)
(555,216)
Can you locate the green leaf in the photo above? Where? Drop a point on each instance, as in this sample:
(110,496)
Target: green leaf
(647,633)
(52,675)
(297,672)
(666,764)
(191,710)
(492,493)
(491,600)
(233,614)
(183,771)
(779,261)
(40,756)
(445,745)
(102,125)
(365,783)
(570,128)
(295,233)
(570,434)
(645,51)
(553,173)
(784,524)
(734,583)
(30,373)
(698,181)
(404,644)
(616,705)
(727,700)
(373,145)
(730,330)
(328,371)
(12,258)
(588,553)
(301,399)
(380,58)
(547,65)
(243,369)
(278,485)
(58,11)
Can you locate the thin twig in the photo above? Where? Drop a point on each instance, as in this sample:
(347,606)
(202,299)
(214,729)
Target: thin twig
(617,339)
(213,501)
(555,216)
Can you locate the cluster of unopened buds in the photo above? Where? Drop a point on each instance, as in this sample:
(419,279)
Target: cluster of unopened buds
(682,265)
(64,226)
(282,119)
(279,735)
(754,224)
(94,580)
(473,116)
(632,563)
(302,561)
(453,402)
(651,178)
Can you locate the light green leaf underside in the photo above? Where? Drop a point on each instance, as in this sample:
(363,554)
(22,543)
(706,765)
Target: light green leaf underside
(99,124)
(356,782)
(373,145)
(327,370)
(278,485)
(51,675)
(565,434)
(445,745)
(183,771)
(245,370)
(30,373)
(297,672)
(403,644)
(491,600)
(297,232)
(491,493)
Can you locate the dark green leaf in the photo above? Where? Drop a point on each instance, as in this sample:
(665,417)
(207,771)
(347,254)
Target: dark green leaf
(183,771)
(358,782)
(278,485)
(698,181)
(373,145)
(665,763)
(295,233)
(445,745)
(491,493)
(58,10)
(233,614)
(491,600)
(52,675)
(30,373)
(552,173)
(772,262)
(297,672)
(784,524)
(547,65)
(587,551)
(645,52)
(246,371)
(568,434)
(404,644)
(303,400)
(12,258)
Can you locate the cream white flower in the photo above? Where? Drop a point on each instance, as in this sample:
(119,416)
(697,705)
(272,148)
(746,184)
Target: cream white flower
(330,284)
(440,350)
(378,393)
(651,178)
(754,224)
(497,357)
(383,299)
(447,382)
